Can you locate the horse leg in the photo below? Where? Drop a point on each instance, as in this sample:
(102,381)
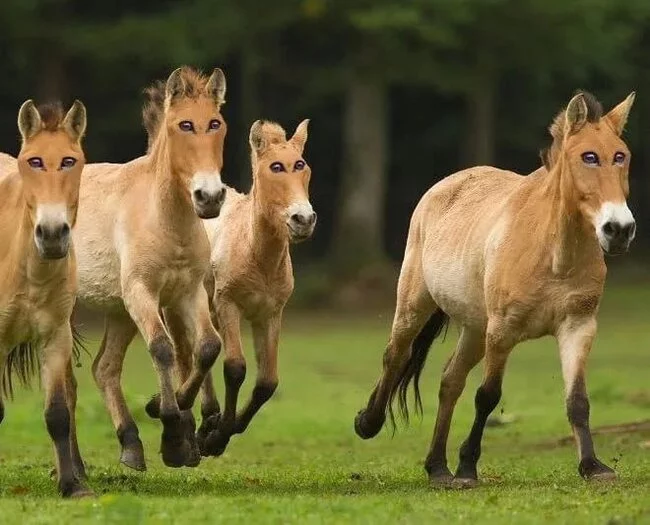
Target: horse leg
(470,350)
(487,398)
(414,307)
(57,355)
(266,335)
(575,338)
(71,397)
(145,312)
(234,372)
(210,413)
(119,330)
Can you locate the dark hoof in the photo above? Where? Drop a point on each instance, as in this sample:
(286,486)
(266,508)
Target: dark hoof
(216,443)
(366,428)
(592,469)
(175,455)
(74,489)
(441,478)
(133,456)
(194,456)
(464,483)
(208,425)
(152,408)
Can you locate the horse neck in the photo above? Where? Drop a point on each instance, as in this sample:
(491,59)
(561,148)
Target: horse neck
(573,243)
(269,238)
(173,208)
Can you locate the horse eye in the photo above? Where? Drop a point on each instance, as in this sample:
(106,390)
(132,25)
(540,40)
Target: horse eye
(300,165)
(619,157)
(590,158)
(186,125)
(215,124)
(277,167)
(36,163)
(68,162)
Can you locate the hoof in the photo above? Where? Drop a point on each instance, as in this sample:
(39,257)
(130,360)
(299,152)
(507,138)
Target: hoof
(74,489)
(366,429)
(132,456)
(175,455)
(208,425)
(592,469)
(194,455)
(465,483)
(83,492)
(441,478)
(216,443)
(152,408)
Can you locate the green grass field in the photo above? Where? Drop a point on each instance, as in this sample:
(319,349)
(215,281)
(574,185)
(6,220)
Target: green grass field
(300,461)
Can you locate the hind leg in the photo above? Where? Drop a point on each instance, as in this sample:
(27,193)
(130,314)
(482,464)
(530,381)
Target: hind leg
(470,350)
(107,371)
(414,307)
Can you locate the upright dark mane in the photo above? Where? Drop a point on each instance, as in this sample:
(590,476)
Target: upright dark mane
(594,114)
(154,106)
(51,115)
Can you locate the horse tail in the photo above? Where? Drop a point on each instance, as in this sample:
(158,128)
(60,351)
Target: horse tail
(23,362)
(437,323)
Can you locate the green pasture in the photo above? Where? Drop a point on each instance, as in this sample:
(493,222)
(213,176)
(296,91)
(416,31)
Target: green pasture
(300,461)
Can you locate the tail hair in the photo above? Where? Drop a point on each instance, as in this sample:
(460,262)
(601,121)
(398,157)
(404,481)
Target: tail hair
(437,323)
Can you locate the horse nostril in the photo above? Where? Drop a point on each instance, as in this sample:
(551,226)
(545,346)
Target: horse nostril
(65,230)
(298,218)
(221,195)
(611,229)
(200,196)
(312,218)
(39,231)
(629,230)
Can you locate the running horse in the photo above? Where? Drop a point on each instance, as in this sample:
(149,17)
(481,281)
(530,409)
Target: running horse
(40,192)
(510,258)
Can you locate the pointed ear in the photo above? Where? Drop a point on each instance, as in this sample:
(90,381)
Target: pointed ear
(618,116)
(216,86)
(29,120)
(256,138)
(575,115)
(74,122)
(175,86)
(299,138)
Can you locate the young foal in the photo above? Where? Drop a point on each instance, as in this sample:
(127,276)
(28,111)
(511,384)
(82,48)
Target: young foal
(511,258)
(252,273)
(143,254)
(38,271)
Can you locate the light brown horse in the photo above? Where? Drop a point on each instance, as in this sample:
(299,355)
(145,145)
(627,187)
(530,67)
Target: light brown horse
(252,275)
(511,258)
(143,254)
(40,193)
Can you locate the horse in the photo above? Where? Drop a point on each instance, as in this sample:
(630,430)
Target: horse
(252,274)
(510,258)
(143,252)
(40,192)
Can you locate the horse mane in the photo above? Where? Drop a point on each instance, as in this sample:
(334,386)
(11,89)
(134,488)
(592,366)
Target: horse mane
(51,115)
(594,114)
(154,106)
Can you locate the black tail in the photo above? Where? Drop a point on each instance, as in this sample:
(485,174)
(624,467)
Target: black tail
(438,322)
(22,361)
(78,344)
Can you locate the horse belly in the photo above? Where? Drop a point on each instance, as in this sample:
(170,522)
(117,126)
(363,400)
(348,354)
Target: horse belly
(98,275)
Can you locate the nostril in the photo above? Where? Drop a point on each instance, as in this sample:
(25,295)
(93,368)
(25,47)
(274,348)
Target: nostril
(65,230)
(312,218)
(298,218)
(39,231)
(221,194)
(611,229)
(200,196)
(629,230)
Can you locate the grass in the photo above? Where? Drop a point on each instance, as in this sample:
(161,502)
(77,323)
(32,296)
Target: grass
(300,461)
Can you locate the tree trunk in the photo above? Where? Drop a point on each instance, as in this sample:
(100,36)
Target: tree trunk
(249,111)
(358,237)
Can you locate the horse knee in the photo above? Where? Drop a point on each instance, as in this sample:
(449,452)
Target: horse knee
(208,353)
(234,371)
(162,352)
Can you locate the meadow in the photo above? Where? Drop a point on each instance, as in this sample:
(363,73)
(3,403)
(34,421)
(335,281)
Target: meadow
(300,461)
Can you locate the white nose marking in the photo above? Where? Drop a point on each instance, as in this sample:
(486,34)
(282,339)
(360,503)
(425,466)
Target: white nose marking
(51,214)
(207,181)
(303,208)
(615,212)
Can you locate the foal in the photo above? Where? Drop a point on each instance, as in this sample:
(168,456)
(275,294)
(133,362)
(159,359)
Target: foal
(40,193)
(252,276)
(143,254)
(511,258)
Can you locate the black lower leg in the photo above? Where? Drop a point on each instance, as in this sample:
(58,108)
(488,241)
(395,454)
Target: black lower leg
(262,392)
(578,414)
(369,420)
(132,453)
(486,400)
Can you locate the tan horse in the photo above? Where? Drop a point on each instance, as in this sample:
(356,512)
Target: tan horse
(511,258)
(37,264)
(252,272)
(143,254)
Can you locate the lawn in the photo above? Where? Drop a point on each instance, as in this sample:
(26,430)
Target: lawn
(300,461)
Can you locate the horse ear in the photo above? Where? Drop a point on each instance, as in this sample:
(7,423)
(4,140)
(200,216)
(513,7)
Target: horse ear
(74,122)
(216,86)
(618,116)
(175,86)
(256,137)
(576,114)
(299,138)
(29,120)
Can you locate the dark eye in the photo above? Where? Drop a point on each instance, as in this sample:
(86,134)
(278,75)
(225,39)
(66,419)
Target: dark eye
(186,126)
(619,157)
(277,167)
(36,163)
(68,162)
(214,124)
(590,158)
(299,165)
